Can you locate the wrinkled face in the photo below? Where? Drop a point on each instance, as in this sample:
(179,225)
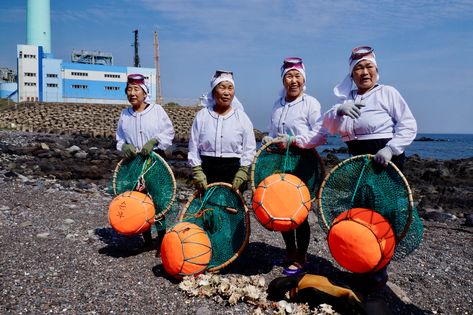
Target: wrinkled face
(135,94)
(223,93)
(294,84)
(365,75)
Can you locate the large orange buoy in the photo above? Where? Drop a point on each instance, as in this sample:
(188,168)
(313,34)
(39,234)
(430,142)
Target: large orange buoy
(186,250)
(361,240)
(281,202)
(131,213)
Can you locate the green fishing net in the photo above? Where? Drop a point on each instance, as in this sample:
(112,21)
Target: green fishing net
(359,182)
(222,213)
(151,175)
(303,163)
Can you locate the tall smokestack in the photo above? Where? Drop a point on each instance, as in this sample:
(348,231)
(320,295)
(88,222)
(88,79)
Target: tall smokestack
(38,24)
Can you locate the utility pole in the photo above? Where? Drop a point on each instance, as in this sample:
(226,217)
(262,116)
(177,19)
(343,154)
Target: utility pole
(137,57)
(159,96)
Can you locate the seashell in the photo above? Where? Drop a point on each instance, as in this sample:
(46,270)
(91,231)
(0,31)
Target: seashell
(233,299)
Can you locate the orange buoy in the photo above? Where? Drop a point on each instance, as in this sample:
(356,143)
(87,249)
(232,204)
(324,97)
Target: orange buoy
(131,213)
(361,240)
(186,250)
(281,202)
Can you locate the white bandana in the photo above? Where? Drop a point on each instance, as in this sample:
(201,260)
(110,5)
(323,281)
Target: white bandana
(343,89)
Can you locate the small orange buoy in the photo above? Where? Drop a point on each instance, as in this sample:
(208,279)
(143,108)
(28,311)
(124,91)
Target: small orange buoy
(131,213)
(361,240)
(281,202)
(186,250)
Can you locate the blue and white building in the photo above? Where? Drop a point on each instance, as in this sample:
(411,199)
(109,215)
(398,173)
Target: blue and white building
(91,79)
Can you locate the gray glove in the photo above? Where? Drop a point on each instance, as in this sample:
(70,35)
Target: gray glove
(129,151)
(349,109)
(383,156)
(200,180)
(266,139)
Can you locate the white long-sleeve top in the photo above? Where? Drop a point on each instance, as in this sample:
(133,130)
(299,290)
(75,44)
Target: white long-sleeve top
(385,115)
(138,128)
(300,118)
(229,135)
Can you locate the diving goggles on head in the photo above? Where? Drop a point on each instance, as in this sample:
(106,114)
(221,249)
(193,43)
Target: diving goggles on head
(360,52)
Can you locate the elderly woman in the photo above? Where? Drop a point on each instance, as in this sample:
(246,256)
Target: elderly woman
(372,118)
(222,143)
(142,128)
(296,120)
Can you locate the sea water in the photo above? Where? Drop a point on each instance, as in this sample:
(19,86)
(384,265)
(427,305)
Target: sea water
(441,146)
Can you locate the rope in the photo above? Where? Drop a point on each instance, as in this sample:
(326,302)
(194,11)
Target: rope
(359,179)
(286,157)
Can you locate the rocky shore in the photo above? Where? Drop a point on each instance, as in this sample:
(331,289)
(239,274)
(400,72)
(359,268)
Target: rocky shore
(59,254)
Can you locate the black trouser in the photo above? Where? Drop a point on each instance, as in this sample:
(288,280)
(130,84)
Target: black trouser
(372,146)
(297,241)
(218,169)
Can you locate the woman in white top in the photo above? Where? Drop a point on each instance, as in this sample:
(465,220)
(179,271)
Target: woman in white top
(142,128)
(296,120)
(222,143)
(371,118)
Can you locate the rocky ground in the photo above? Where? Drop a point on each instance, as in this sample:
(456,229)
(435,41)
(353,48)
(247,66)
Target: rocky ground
(59,254)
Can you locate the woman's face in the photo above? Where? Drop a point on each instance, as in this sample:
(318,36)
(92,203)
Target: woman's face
(223,93)
(365,75)
(135,94)
(294,84)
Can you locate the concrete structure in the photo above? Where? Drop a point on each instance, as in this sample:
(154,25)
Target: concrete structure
(91,77)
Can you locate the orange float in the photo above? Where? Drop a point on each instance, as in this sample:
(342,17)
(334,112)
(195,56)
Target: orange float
(281,202)
(186,250)
(361,240)
(131,213)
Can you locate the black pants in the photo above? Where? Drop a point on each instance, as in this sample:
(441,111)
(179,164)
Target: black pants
(358,147)
(219,169)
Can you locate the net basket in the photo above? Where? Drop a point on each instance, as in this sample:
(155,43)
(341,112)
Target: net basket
(222,213)
(306,164)
(359,182)
(147,174)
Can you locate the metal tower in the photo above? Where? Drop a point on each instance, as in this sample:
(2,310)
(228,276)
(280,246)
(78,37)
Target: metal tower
(159,96)
(135,44)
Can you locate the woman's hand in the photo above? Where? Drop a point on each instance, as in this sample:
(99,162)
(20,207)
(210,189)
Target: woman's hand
(200,180)
(349,109)
(148,147)
(266,139)
(383,156)
(241,176)
(283,141)
(129,151)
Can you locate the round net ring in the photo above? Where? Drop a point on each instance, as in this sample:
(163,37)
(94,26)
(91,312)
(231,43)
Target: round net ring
(152,175)
(222,213)
(358,182)
(303,163)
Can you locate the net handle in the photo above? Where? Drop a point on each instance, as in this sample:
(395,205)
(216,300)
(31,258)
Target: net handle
(245,242)
(369,157)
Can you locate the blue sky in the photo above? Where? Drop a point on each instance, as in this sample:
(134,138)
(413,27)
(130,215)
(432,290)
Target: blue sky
(424,48)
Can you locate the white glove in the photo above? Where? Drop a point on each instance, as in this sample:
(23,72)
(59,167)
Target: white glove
(284,140)
(349,109)
(384,156)
(266,139)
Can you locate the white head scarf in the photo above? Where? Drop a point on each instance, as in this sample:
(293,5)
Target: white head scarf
(292,63)
(220,76)
(138,79)
(343,89)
